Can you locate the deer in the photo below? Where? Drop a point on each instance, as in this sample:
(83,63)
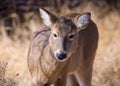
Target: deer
(62,50)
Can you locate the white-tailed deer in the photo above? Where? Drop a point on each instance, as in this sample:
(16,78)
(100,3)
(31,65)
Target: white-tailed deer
(62,51)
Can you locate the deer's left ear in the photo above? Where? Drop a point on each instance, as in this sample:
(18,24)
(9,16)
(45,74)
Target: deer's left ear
(48,17)
(82,21)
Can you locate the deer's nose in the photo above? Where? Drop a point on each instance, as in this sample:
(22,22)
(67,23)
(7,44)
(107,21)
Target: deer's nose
(61,55)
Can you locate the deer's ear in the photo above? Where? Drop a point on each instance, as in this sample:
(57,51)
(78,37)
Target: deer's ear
(48,17)
(82,20)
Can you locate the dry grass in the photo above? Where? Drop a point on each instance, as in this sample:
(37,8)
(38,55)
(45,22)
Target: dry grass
(106,65)
(107,62)
(15,53)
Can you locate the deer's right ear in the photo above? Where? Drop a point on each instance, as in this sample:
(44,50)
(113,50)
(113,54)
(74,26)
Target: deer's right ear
(48,17)
(83,20)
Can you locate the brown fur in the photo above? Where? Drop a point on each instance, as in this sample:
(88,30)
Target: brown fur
(76,70)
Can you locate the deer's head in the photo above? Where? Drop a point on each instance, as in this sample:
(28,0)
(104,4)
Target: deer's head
(64,34)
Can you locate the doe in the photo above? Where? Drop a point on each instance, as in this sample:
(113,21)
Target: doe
(62,51)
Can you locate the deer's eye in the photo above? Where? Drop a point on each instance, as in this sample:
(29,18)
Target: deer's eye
(55,35)
(71,36)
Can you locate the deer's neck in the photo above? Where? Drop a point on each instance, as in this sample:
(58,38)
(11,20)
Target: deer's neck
(51,68)
(48,63)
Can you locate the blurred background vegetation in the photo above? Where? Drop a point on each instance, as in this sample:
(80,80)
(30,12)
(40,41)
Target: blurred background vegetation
(20,18)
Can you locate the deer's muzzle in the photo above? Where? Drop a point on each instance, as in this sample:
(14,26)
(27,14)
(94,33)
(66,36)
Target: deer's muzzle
(61,55)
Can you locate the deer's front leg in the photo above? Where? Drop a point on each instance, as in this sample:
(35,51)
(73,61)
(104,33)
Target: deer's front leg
(84,77)
(36,82)
(61,81)
(72,81)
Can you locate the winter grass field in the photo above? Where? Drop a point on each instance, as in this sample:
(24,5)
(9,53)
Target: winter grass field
(14,50)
